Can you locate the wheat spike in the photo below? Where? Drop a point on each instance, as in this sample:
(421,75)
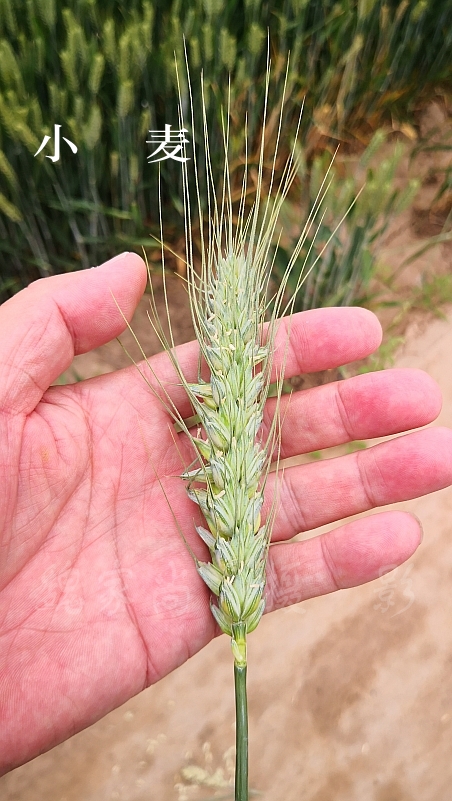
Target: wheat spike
(229,297)
(228,301)
(230,409)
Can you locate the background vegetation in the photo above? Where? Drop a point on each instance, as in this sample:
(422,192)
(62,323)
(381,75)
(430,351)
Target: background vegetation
(105,72)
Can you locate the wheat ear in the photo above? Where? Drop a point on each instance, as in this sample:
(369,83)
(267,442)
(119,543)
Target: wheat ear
(229,299)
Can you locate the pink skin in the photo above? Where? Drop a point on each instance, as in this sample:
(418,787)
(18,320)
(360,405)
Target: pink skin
(98,594)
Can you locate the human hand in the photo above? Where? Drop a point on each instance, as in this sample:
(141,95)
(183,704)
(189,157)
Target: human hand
(99,596)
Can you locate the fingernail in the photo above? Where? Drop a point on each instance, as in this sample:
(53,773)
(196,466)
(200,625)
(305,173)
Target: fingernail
(115,259)
(421,527)
(422,531)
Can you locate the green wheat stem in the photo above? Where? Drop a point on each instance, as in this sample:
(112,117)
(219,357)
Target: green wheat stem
(241,733)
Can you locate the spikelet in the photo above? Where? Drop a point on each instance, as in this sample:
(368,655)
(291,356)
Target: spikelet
(109,40)
(24,135)
(125,98)
(7,117)
(7,17)
(124,60)
(195,52)
(96,72)
(207,40)
(54,97)
(9,209)
(213,8)
(228,47)
(68,63)
(92,130)
(255,39)
(9,68)
(7,171)
(35,115)
(146,27)
(47,12)
(38,50)
(79,110)
(133,168)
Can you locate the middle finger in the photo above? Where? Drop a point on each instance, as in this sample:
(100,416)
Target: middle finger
(362,407)
(314,494)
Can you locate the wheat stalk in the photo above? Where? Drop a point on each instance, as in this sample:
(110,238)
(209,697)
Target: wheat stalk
(229,298)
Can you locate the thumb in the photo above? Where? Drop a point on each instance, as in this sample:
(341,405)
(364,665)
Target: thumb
(43,327)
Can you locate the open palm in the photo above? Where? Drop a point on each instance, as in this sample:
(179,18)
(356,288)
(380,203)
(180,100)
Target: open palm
(98,593)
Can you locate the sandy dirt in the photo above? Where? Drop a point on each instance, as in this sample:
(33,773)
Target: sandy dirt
(350,694)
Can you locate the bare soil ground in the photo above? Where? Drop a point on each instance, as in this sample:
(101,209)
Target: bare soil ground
(350,694)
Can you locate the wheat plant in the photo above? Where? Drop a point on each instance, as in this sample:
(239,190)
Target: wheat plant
(229,299)
(104,70)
